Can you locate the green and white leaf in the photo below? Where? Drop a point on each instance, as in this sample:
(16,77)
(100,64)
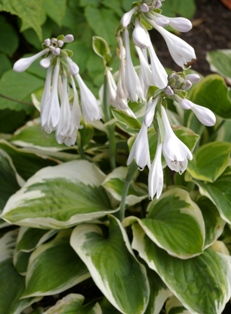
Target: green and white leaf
(209,161)
(174,306)
(10,181)
(114,184)
(12,284)
(30,238)
(112,264)
(220,62)
(214,224)
(202,283)
(54,267)
(73,304)
(78,197)
(26,162)
(174,223)
(159,293)
(219,192)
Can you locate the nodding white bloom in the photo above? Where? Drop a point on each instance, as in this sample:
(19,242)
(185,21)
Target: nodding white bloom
(193,78)
(131,77)
(126,18)
(175,152)
(160,76)
(150,111)
(57,113)
(145,73)
(181,24)
(156,176)
(203,114)
(181,52)
(140,149)
(24,63)
(89,104)
(140,36)
(111,87)
(50,111)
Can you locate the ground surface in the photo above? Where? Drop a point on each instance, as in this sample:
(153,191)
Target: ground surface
(211,31)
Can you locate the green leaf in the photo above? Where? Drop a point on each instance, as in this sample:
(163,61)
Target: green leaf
(213,93)
(179,8)
(214,224)
(174,222)
(159,293)
(5,64)
(114,184)
(54,267)
(219,192)
(73,304)
(101,48)
(28,10)
(8,32)
(12,284)
(30,238)
(201,283)
(25,162)
(220,62)
(19,87)
(78,197)
(117,276)
(21,260)
(125,119)
(11,120)
(174,306)
(187,136)
(103,22)
(55,10)
(10,181)
(31,135)
(209,161)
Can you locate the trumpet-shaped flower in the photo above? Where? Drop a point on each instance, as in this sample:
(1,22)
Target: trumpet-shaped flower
(176,153)
(50,111)
(131,77)
(140,36)
(90,107)
(150,111)
(140,149)
(203,114)
(126,18)
(156,176)
(24,63)
(181,52)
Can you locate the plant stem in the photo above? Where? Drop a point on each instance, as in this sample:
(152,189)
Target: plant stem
(131,172)
(110,128)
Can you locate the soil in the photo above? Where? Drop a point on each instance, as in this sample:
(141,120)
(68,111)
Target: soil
(211,31)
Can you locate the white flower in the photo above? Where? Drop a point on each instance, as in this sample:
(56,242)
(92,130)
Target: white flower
(156,177)
(24,63)
(140,149)
(126,18)
(89,104)
(145,73)
(46,62)
(181,52)
(150,111)
(193,78)
(203,114)
(68,38)
(111,87)
(65,112)
(73,67)
(50,110)
(181,24)
(131,78)
(160,76)
(140,36)
(47,89)
(176,153)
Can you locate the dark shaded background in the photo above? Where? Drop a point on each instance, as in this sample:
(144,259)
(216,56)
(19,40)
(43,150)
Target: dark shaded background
(211,31)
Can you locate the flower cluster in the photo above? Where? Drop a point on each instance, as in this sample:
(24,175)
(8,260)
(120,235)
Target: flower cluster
(60,106)
(152,73)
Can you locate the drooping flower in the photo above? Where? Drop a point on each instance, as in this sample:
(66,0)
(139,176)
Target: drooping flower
(181,52)
(156,176)
(90,107)
(204,115)
(140,149)
(126,18)
(175,152)
(150,111)
(140,36)
(24,63)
